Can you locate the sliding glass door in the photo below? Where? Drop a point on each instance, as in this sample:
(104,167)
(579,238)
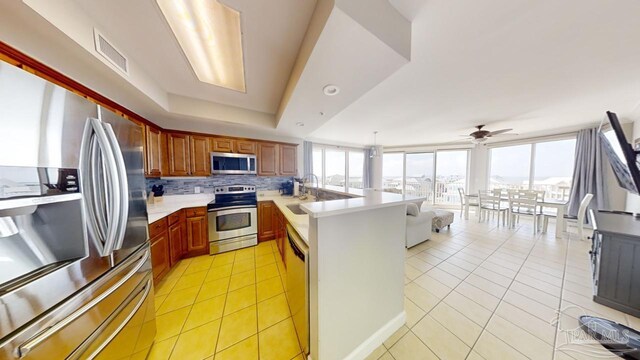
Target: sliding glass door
(451,174)
(434,175)
(420,175)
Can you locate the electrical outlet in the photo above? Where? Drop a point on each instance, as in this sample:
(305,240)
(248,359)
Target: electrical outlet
(196,189)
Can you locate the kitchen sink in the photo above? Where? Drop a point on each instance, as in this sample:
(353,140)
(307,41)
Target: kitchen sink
(295,208)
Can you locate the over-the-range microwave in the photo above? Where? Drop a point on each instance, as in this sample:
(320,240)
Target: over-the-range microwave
(227,163)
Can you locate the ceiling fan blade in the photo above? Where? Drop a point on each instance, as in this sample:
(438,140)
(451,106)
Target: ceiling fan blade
(508,134)
(493,133)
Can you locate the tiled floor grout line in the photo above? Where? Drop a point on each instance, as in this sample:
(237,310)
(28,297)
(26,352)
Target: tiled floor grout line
(501,299)
(566,259)
(452,289)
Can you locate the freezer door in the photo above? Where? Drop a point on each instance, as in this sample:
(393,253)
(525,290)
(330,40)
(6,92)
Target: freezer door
(126,140)
(87,323)
(129,331)
(42,123)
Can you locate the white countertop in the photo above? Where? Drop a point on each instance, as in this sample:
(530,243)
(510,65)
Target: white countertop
(172,203)
(371,200)
(299,222)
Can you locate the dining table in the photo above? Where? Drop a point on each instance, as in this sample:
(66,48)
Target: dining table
(559,205)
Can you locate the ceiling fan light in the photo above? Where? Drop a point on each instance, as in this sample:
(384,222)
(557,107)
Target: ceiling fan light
(478,140)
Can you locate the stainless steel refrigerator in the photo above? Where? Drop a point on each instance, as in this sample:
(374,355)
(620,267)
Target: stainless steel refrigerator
(75,271)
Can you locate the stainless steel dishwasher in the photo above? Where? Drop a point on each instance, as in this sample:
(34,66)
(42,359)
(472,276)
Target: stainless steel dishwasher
(297,261)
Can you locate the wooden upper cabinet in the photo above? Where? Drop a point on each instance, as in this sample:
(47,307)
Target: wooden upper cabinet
(153,150)
(288,163)
(245,147)
(199,149)
(277,159)
(267,159)
(222,145)
(178,145)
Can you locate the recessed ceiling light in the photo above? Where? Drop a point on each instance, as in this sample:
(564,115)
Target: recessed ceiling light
(210,35)
(300,123)
(330,90)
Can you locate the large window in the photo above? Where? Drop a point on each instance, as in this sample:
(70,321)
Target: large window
(335,171)
(510,166)
(545,166)
(356,169)
(419,178)
(451,174)
(393,172)
(318,165)
(334,165)
(434,175)
(553,170)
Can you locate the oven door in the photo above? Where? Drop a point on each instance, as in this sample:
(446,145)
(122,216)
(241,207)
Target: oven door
(229,223)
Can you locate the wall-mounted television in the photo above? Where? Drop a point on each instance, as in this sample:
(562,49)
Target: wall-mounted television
(625,163)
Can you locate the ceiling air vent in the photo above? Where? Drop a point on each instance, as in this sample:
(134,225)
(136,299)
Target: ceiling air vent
(110,53)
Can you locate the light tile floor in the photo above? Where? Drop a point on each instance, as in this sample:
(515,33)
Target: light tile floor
(480,291)
(227,306)
(477,291)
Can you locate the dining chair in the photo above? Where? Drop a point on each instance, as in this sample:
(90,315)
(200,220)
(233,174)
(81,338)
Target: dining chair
(463,200)
(489,203)
(579,219)
(524,205)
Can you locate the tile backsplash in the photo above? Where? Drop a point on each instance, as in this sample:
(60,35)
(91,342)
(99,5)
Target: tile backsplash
(187,186)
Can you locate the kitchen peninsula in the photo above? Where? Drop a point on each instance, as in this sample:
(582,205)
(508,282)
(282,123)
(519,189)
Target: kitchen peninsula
(356,253)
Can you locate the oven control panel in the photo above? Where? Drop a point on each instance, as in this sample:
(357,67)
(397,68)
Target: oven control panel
(234,189)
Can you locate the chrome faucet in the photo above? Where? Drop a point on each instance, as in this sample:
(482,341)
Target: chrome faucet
(304,187)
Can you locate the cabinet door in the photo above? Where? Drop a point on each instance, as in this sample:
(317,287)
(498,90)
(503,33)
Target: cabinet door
(222,145)
(175,243)
(153,148)
(200,162)
(288,163)
(178,154)
(159,256)
(245,147)
(197,240)
(267,159)
(266,225)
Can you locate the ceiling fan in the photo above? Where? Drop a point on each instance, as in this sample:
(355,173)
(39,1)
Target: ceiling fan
(479,136)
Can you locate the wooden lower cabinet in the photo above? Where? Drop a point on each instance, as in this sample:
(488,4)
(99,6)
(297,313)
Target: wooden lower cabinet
(176,242)
(281,232)
(197,235)
(160,262)
(266,224)
(179,235)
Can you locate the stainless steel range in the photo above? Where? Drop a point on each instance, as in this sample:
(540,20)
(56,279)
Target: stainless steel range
(233,218)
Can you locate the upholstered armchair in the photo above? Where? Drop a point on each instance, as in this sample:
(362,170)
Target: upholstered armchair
(418,225)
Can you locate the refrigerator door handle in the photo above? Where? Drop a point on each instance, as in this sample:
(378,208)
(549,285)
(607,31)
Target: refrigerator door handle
(39,338)
(97,153)
(122,197)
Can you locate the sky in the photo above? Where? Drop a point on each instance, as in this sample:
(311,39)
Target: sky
(552,159)
(448,163)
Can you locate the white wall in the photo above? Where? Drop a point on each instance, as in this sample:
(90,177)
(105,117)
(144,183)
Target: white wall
(633,201)
(478,169)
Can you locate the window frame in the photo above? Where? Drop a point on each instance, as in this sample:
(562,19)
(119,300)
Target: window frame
(346,150)
(435,167)
(533,143)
